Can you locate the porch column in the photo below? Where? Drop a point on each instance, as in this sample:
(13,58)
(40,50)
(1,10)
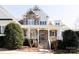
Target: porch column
(38,37)
(49,39)
(29,33)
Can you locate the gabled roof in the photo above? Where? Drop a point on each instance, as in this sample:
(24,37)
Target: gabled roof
(51,25)
(4,14)
(37,11)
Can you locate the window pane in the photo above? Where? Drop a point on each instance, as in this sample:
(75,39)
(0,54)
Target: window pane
(44,22)
(51,33)
(26,22)
(55,33)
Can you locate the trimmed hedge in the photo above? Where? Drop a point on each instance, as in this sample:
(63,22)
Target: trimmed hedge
(77,33)
(14,36)
(2,41)
(70,40)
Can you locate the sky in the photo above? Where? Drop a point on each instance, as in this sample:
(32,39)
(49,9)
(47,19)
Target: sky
(68,14)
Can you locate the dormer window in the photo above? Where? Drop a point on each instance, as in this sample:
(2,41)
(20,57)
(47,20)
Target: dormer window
(58,22)
(43,23)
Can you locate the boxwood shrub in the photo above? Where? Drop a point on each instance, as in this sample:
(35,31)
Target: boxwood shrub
(13,36)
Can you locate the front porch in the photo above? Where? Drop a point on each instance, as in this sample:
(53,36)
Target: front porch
(42,37)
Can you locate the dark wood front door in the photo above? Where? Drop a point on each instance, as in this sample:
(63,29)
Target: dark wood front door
(43,38)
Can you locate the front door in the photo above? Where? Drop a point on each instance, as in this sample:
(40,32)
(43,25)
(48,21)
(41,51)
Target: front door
(43,38)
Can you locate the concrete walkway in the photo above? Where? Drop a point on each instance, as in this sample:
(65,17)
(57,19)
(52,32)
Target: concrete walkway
(40,51)
(21,52)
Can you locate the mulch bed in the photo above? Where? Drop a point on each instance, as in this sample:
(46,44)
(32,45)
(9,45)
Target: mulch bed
(28,49)
(33,49)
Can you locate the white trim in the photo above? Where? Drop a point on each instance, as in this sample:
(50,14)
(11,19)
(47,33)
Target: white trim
(2,34)
(49,39)
(38,37)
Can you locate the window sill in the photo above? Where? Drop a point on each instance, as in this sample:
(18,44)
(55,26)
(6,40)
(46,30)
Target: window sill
(2,34)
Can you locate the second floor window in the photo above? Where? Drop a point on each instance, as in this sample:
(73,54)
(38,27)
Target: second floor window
(30,22)
(34,22)
(57,24)
(42,22)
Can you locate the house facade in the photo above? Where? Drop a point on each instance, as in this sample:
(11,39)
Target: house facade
(37,27)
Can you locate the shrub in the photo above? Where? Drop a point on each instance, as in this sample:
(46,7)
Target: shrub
(1,41)
(26,43)
(70,40)
(58,44)
(77,33)
(54,45)
(35,43)
(31,43)
(14,36)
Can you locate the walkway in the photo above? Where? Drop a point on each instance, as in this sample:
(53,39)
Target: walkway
(26,51)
